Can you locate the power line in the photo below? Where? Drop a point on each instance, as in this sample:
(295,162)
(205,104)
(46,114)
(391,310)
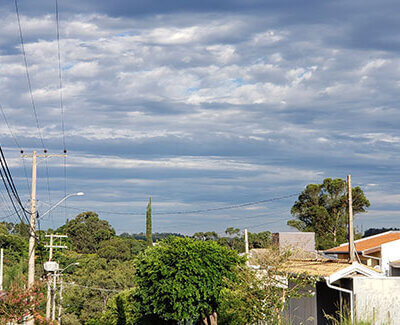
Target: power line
(235,206)
(17,143)
(28,78)
(94,288)
(60,84)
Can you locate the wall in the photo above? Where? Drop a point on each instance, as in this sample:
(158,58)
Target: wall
(303,311)
(301,243)
(389,252)
(377,299)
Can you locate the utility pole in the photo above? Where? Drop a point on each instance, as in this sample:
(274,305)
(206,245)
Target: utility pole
(53,312)
(1,269)
(246,242)
(351,222)
(32,228)
(32,221)
(61,300)
(49,277)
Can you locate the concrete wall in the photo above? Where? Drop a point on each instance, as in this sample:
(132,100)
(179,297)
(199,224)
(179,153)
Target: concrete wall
(389,252)
(304,241)
(377,299)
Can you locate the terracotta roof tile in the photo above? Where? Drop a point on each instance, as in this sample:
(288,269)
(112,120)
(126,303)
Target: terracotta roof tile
(368,243)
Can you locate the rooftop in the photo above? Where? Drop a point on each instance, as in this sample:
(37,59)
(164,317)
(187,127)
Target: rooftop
(320,268)
(367,244)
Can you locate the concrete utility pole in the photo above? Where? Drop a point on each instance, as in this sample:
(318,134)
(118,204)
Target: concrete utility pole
(53,312)
(32,223)
(351,222)
(1,269)
(61,300)
(32,228)
(246,242)
(49,276)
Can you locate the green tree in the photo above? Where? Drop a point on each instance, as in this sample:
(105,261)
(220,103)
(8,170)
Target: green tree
(323,209)
(92,284)
(148,225)
(231,231)
(114,249)
(181,279)
(86,232)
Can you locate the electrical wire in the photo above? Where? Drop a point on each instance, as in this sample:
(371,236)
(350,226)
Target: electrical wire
(17,143)
(28,78)
(31,93)
(60,86)
(94,288)
(229,207)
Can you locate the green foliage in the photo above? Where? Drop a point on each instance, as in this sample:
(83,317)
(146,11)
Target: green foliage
(114,248)
(209,235)
(149,239)
(181,278)
(84,299)
(232,231)
(86,232)
(323,209)
(261,295)
(15,247)
(376,231)
(155,236)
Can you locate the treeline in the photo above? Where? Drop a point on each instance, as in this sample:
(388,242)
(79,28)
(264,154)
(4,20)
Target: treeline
(155,236)
(106,260)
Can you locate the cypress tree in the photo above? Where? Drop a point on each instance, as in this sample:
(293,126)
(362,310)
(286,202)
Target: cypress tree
(148,225)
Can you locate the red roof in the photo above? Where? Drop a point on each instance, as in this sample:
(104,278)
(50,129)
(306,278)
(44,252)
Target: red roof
(367,244)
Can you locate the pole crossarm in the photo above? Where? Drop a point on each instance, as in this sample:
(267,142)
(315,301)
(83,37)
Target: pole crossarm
(55,246)
(41,155)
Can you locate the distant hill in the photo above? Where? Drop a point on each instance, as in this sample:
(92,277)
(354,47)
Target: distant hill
(375,231)
(156,236)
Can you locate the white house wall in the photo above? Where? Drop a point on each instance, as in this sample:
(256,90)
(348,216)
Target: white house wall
(389,252)
(377,300)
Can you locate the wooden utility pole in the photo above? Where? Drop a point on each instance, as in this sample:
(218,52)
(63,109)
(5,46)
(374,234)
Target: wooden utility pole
(351,221)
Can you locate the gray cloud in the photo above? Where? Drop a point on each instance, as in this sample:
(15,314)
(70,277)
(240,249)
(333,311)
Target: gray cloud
(205,104)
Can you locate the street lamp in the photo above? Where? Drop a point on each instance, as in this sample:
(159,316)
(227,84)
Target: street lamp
(61,201)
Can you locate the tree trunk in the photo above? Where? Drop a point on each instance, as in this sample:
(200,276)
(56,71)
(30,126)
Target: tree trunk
(211,319)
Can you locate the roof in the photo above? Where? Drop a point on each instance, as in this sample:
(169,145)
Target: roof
(368,244)
(395,264)
(355,269)
(320,268)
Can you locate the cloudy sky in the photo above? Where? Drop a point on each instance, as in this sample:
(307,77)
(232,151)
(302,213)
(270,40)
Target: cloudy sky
(204,104)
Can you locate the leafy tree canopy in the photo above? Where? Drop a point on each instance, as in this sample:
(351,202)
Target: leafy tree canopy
(181,278)
(323,209)
(86,232)
(114,248)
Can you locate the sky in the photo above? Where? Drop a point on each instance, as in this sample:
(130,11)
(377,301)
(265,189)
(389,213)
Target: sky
(201,105)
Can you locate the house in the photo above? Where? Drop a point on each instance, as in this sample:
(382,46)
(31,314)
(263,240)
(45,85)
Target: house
(342,288)
(357,289)
(380,251)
